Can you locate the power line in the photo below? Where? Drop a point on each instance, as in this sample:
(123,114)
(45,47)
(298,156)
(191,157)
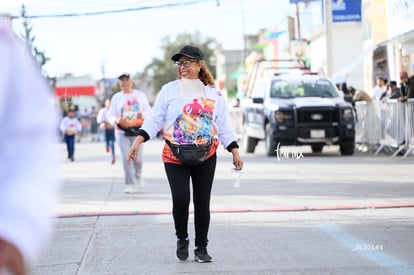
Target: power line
(79,14)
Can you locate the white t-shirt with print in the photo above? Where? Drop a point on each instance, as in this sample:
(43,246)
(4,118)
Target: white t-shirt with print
(128,105)
(70,123)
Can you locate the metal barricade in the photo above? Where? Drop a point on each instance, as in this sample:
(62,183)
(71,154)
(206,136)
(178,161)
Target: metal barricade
(409,127)
(392,125)
(367,124)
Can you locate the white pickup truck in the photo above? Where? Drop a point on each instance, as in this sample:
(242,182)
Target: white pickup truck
(295,107)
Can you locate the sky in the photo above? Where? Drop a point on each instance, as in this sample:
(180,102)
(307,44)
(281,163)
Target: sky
(128,41)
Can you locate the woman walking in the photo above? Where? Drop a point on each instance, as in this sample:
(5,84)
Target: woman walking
(193,115)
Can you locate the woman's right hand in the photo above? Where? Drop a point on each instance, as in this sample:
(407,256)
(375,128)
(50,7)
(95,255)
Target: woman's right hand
(11,259)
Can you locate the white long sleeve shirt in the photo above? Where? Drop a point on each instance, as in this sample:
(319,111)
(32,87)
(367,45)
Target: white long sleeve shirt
(377,91)
(190,117)
(28,146)
(102,115)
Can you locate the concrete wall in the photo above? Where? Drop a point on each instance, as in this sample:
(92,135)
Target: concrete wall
(348,54)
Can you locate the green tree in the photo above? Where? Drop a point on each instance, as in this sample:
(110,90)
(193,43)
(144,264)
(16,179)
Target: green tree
(29,38)
(161,71)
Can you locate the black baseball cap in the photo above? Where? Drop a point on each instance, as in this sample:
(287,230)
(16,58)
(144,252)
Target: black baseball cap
(127,75)
(189,51)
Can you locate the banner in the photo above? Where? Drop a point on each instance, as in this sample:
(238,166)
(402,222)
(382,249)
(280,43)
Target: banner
(299,1)
(346,11)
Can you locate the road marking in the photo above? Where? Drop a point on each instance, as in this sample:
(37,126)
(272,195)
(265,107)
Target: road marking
(374,253)
(239,210)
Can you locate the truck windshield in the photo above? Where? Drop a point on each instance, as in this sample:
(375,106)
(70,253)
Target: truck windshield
(303,88)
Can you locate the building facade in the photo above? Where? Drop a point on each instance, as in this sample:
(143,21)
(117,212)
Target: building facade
(351,41)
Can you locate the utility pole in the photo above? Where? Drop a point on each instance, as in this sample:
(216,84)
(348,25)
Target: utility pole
(329,37)
(104,80)
(244,55)
(6,19)
(298,20)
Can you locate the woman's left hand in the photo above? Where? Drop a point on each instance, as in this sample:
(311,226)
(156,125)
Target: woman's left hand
(132,154)
(237,161)
(133,151)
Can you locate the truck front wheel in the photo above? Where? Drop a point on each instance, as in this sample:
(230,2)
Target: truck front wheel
(347,149)
(270,142)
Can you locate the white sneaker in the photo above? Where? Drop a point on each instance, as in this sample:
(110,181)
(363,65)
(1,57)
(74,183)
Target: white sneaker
(140,183)
(130,190)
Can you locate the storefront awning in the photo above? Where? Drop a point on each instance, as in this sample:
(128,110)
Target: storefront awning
(72,91)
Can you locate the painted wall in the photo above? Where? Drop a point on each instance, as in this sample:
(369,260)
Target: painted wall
(401,14)
(348,53)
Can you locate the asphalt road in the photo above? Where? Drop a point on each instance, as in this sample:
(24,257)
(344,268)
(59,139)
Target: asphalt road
(305,214)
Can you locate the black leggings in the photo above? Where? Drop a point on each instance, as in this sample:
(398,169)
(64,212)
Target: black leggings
(202,177)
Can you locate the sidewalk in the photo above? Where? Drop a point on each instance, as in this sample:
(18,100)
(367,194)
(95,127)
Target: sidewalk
(101,230)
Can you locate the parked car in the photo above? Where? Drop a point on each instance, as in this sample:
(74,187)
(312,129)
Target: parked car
(292,106)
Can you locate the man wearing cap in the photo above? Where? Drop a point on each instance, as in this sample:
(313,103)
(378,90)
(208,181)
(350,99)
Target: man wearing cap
(403,82)
(393,92)
(409,89)
(127,111)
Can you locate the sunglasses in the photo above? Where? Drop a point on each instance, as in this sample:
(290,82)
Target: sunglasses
(186,63)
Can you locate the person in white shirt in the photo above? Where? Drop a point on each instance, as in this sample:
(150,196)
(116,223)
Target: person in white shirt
(70,126)
(103,121)
(379,88)
(127,111)
(192,113)
(28,160)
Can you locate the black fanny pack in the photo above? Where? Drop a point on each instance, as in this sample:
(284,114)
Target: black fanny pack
(190,154)
(130,131)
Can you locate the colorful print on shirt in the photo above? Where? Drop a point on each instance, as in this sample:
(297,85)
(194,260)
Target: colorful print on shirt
(194,125)
(71,126)
(130,109)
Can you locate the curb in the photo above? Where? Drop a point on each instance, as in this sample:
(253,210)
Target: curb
(240,210)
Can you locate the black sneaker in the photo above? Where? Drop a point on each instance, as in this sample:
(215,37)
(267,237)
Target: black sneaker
(201,255)
(182,249)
